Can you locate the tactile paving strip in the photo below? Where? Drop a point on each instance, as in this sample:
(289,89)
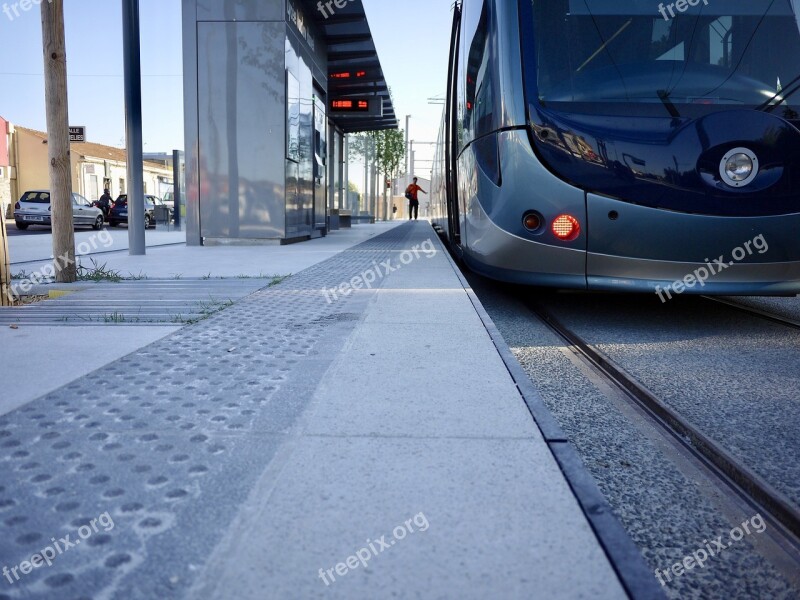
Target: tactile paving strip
(170,446)
(147,302)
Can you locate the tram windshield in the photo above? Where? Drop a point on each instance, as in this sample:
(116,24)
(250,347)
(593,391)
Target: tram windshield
(679,58)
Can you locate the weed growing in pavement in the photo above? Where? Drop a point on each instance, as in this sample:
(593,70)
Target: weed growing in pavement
(205,310)
(115,317)
(277,279)
(98,273)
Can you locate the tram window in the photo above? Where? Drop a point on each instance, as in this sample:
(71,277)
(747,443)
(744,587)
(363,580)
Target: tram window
(721,42)
(600,55)
(479,105)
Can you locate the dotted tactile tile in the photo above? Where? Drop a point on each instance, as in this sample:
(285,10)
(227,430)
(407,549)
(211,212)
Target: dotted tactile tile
(170,445)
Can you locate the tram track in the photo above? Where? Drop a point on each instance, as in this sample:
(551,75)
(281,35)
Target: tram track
(730,473)
(756,312)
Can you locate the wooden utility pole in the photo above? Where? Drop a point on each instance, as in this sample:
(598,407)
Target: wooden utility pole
(55,89)
(6,298)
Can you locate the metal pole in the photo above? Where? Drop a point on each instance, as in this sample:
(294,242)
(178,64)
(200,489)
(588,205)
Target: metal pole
(365,198)
(408,119)
(133,125)
(374,206)
(346,182)
(332,166)
(177,192)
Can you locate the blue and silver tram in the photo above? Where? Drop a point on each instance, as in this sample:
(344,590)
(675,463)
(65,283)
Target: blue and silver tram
(624,145)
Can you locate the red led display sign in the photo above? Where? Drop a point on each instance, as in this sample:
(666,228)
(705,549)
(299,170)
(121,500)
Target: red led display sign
(348,75)
(350,105)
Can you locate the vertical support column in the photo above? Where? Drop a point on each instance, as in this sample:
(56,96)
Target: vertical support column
(408,126)
(332,162)
(177,187)
(346,183)
(133,125)
(374,178)
(365,196)
(194,163)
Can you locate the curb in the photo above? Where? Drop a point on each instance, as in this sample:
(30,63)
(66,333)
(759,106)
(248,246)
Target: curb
(624,556)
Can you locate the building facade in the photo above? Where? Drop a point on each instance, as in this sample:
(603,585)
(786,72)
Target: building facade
(263,84)
(5,168)
(94,167)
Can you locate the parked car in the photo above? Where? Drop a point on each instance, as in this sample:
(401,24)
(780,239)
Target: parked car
(170,206)
(169,200)
(34,208)
(119,212)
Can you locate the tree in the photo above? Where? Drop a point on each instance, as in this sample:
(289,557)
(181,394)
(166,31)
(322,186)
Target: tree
(6,295)
(390,149)
(55,89)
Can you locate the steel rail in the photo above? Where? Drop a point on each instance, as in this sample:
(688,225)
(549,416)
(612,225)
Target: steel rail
(740,478)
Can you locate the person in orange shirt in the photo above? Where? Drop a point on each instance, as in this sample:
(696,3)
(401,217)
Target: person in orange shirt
(412,192)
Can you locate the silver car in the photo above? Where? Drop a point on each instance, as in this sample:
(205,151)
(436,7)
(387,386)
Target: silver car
(33,208)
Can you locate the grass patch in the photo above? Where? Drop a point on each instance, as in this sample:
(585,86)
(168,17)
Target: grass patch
(98,272)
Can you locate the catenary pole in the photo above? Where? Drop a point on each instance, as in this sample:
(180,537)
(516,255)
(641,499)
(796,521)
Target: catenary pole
(407,152)
(133,125)
(55,91)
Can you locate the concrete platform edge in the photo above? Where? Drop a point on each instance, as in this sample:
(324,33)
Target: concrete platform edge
(624,556)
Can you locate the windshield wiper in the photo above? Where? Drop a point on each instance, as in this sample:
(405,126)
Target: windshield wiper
(671,108)
(604,45)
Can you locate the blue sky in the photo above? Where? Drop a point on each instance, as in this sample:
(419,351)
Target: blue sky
(411,37)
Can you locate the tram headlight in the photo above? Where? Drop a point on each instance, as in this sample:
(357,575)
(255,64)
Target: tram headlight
(739,167)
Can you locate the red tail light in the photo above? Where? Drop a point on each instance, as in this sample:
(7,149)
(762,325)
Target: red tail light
(566,227)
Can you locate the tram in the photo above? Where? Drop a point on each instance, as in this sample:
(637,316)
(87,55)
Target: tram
(624,145)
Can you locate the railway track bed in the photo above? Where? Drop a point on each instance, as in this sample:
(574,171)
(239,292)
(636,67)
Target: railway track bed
(727,374)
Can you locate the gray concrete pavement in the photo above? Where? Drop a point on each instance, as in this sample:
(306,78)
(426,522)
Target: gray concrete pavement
(254,454)
(416,415)
(37,246)
(39,360)
(166,260)
(35,360)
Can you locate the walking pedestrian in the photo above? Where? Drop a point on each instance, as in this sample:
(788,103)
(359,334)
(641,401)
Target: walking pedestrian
(412,192)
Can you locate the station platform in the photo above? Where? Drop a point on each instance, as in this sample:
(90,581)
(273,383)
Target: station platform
(358,430)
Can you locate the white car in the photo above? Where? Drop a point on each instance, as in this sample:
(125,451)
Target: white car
(34,208)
